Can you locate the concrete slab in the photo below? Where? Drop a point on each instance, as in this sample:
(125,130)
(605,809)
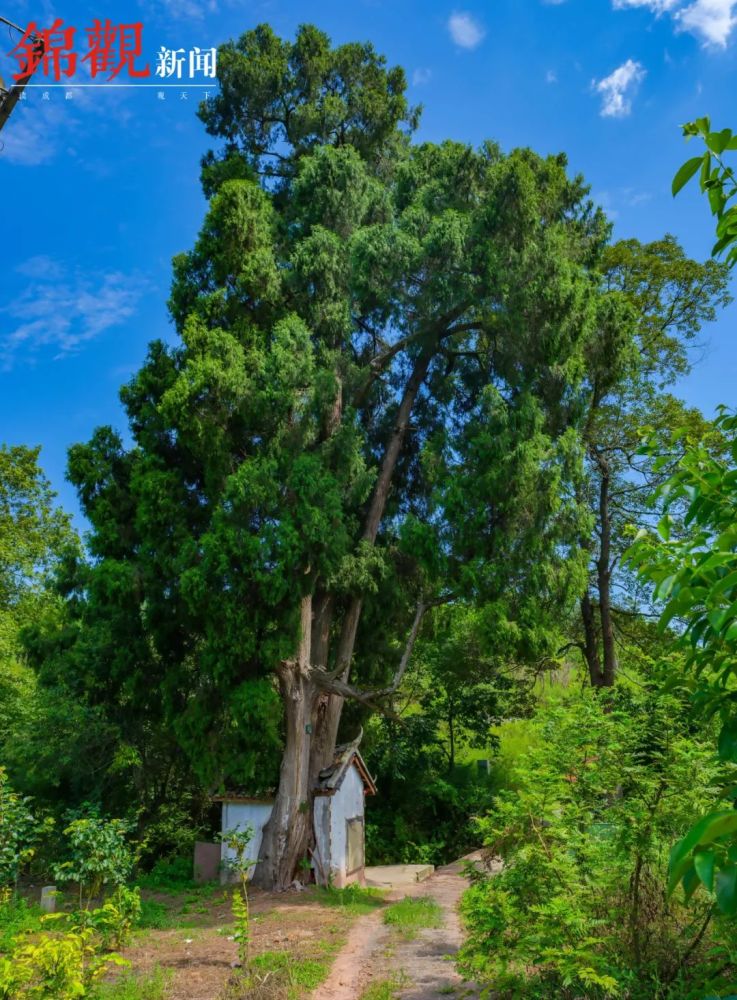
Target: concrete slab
(397,876)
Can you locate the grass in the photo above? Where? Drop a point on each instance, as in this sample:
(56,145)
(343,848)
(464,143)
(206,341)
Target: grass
(169,875)
(132,987)
(413,913)
(155,916)
(17,916)
(385,989)
(354,899)
(278,975)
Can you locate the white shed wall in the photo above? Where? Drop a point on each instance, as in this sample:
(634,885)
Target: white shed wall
(239,815)
(347,803)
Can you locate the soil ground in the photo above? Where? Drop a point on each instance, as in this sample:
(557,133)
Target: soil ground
(422,967)
(199,957)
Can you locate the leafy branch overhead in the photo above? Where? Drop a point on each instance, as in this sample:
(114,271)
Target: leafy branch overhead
(716,180)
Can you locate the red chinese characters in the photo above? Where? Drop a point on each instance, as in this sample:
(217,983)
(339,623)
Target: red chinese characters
(111,49)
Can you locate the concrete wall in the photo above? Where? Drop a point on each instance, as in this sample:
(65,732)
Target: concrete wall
(331,827)
(239,815)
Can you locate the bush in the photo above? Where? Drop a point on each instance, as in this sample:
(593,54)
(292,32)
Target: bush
(580,907)
(17,916)
(20,831)
(100,855)
(169,875)
(57,966)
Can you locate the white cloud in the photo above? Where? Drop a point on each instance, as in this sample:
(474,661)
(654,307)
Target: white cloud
(421,76)
(656,6)
(710,20)
(61,308)
(551,76)
(617,89)
(465,30)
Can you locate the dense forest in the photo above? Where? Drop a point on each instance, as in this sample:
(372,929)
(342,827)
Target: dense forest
(416,470)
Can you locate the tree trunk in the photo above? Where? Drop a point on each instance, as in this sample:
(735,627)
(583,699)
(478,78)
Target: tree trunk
(591,641)
(604,580)
(287,834)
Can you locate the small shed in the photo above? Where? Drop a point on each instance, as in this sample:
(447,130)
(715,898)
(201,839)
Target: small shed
(338,819)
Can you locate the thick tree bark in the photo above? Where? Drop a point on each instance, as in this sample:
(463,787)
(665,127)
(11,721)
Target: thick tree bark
(287,834)
(591,641)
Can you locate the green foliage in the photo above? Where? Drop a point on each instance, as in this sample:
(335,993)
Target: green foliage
(695,577)
(115,920)
(17,917)
(154,915)
(716,180)
(168,875)
(655,300)
(64,966)
(579,907)
(33,536)
(423,812)
(20,832)
(99,855)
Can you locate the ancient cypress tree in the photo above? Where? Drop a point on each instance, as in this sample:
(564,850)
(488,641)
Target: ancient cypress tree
(373,393)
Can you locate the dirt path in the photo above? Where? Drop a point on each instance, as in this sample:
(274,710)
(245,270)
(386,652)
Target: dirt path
(423,966)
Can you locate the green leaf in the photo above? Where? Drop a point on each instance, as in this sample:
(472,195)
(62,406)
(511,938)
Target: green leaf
(691,882)
(706,831)
(728,741)
(704,867)
(685,173)
(726,890)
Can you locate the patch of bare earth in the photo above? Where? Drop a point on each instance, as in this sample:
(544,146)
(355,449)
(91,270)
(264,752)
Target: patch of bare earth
(200,959)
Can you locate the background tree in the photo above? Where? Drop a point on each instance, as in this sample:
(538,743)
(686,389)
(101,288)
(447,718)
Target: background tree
(34,535)
(655,303)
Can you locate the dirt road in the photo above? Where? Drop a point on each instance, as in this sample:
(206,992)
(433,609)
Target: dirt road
(423,967)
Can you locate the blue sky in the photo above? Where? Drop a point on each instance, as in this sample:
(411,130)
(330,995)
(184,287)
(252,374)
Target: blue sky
(100,191)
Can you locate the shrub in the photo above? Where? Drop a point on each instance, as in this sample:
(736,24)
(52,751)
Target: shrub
(100,855)
(20,832)
(114,921)
(169,875)
(580,907)
(60,966)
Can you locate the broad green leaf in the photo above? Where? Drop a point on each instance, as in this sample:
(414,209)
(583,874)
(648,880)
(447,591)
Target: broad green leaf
(728,741)
(726,890)
(685,173)
(704,867)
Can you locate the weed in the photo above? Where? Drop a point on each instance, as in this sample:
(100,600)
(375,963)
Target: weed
(278,975)
(132,987)
(386,989)
(355,899)
(171,875)
(154,916)
(17,916)
(413,913)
